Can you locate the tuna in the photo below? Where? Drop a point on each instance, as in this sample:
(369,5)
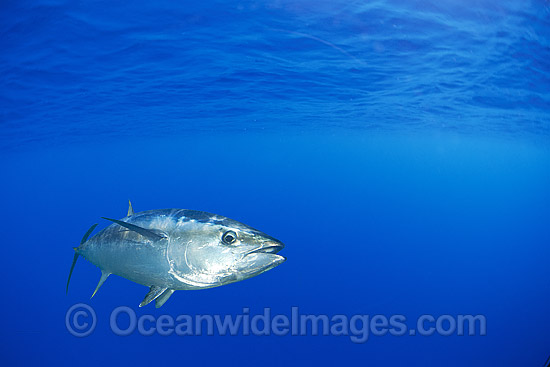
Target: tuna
(178,249)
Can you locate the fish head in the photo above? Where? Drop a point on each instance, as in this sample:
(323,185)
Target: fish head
(254,252)
(221,252)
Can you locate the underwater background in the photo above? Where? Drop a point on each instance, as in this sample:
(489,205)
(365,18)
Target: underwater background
(399,149)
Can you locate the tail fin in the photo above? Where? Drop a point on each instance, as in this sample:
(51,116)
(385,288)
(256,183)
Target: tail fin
(84,239)
(71,272)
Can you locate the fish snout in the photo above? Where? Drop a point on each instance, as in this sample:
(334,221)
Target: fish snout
(271,246)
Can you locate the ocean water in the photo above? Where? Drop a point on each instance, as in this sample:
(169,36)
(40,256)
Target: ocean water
(399,149)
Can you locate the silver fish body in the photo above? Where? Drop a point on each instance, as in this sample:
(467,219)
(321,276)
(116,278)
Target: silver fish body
(179,249)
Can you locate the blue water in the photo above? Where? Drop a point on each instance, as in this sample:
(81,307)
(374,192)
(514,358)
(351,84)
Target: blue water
(399,149)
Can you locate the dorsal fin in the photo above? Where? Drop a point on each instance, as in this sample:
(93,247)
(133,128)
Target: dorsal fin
(130,209)
(147,233)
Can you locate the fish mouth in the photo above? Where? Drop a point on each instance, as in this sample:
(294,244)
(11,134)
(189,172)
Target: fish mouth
(261,259)
(268,248)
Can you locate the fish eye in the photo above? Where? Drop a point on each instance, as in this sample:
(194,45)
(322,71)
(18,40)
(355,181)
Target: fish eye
(229,237)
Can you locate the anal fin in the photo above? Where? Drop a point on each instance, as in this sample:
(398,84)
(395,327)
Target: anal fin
(153,293)
(104,276)
(163,297)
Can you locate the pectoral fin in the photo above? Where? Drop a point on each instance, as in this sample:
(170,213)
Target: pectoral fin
(163,297)
(154,292)
(147,233)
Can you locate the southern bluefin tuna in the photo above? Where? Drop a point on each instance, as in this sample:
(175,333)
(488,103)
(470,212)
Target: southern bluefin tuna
(178,249)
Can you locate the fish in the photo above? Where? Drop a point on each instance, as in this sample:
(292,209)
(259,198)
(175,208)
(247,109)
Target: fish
(177,249)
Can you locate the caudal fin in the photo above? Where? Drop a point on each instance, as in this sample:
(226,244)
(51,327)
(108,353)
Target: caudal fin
(84,239)
(71,272)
